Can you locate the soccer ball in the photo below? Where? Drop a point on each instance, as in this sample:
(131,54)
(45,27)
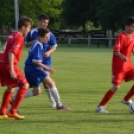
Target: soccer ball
(131,108)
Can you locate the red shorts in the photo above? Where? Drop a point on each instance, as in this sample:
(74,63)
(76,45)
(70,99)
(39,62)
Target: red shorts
(126,75)
(5,78)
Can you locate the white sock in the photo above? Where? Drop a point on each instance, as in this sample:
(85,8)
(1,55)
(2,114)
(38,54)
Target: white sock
(56,96)
(48,93)
(29,93)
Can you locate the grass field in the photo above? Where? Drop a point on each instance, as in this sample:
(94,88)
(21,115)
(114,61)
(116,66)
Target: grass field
(83,76)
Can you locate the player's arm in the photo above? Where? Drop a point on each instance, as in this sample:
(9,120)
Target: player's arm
(28,44)
(44,66)
(11,64)
(117,53)
(117,47)
(29,40)
(47,54)
(53,44)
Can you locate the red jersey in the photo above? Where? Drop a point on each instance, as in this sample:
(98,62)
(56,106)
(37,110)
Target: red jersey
(125,45)
(14,43)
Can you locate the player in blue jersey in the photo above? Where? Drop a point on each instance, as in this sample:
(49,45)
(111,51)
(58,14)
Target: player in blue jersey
(49,48)
(34,68)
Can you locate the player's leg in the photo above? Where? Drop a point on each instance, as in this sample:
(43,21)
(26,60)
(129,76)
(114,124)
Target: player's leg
(106,98)
(127,98)
(23,85)
(5,102)
(34,78)
(29,93)
(17,101)
(55,93)
(116,80)
(48,92)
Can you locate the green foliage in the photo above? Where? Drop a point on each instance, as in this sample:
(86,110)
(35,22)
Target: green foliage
(77,12)
(6,13)
(73,14)
(31,9)
(109,14)
(35,7)
(113,13)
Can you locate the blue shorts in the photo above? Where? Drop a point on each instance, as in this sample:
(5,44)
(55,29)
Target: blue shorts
(34,75)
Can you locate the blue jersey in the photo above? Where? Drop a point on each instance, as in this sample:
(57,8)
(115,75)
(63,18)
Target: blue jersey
(33,35)
(35,53)
(34,74)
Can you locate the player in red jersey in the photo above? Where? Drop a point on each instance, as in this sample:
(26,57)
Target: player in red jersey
(122,68)
(10,74)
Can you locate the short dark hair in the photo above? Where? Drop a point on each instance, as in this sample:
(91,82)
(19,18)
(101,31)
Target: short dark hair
(43,31)
(129,21)
(43,16)
(24,21)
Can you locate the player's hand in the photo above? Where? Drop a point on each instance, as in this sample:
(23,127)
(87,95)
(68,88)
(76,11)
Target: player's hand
(47,54)
(52,70)
(124,58)
(13,75)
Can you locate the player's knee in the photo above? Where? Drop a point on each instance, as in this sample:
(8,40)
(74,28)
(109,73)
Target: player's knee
(46,86)
(36,91)
(26,86)
(10,89)
(52,83)
(115,88)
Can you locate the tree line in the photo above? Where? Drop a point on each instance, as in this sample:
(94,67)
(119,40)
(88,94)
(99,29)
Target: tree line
(107,14)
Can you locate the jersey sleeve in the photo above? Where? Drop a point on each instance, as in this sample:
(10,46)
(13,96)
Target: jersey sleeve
(37,54)
(17,44)
(118,43)
(52,40)
(31,36)
(28,37)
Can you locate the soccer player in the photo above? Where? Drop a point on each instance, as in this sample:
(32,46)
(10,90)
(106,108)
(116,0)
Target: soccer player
(122,68)
(49,47)
(10,74)
(34,68)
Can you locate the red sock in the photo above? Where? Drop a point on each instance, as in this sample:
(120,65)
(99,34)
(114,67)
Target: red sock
(129,94)
(18,99)
(106,98)
(5,102)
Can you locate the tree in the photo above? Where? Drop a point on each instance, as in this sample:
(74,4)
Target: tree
(30,9)
(33,8)
(6,14)
(78,12)
(110,14)
(113,13)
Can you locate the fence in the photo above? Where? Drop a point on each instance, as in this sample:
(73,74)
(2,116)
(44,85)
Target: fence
(90,39)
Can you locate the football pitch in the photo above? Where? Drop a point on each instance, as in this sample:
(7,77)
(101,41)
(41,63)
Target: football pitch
(82,77)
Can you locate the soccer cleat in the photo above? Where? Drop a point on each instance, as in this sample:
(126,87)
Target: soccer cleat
(3,117)
(126,102)
(63,108)
(101,109)
(15,116)
(52,102)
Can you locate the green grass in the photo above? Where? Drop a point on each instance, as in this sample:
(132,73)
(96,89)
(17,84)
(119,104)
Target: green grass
(83,76)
